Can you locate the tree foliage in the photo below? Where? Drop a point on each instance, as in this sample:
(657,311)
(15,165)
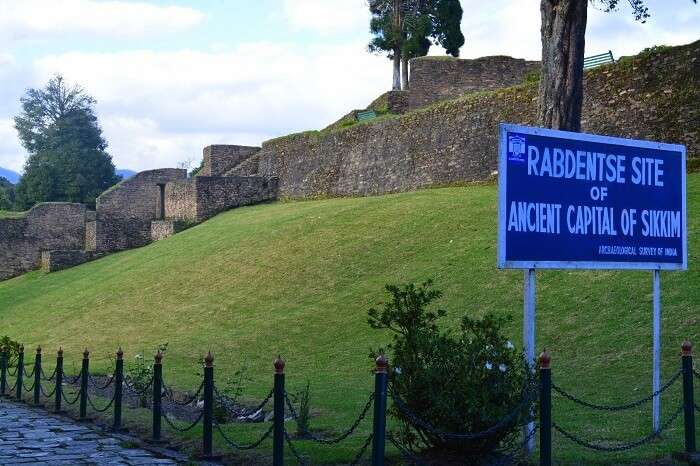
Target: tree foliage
(67,152)
(7,194)
(406,29)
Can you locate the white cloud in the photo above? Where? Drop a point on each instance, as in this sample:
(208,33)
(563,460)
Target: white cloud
(159,108)
(327,16)
(11,152)
(31,19)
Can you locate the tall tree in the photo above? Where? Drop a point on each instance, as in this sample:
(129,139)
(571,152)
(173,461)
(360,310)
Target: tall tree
(404,29)
(437,21)
(67,152)
(388,23)
(563,34)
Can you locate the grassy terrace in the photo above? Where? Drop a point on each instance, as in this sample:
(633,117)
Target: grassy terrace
(11,214)
(296,278)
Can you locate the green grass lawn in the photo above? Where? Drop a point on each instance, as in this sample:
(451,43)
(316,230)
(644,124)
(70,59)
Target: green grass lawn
(11,214)
(296,279)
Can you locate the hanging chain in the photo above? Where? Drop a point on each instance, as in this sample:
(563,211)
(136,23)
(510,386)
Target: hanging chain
(431,429)
(342,436)
(180,429)
(628,446)
(622,407)
(170,399)
(101,410)
(293,449)
(243,447)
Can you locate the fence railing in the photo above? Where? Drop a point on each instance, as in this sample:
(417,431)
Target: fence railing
(687,407)
(158,391)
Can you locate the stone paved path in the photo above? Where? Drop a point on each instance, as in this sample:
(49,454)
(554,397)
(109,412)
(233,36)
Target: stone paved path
(32,437)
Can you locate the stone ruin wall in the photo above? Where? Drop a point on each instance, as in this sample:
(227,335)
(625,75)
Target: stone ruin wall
(125,212)
(653,97)
(433,79)
(218,159)
(202,197)
(46,226)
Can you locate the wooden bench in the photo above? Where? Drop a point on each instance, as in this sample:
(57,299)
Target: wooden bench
(597,60)
(366,115)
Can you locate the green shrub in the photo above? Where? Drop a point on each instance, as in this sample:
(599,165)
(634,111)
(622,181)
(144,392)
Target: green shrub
(12,348)
(461,381)
(139,375)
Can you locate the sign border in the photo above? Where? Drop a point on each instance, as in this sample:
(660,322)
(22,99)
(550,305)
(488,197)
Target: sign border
(502,263)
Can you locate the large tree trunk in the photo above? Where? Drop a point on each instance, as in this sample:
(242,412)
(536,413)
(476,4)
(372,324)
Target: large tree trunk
(561,83)
(404,73)
(397,19)
(397,71)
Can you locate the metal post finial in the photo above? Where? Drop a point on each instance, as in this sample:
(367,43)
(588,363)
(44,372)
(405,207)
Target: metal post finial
(381,364)
(120,353)
(86,353)
(687,348)
(21,348)
(60,351)
(158,357)
(38,349)
(279,365)
(209,360)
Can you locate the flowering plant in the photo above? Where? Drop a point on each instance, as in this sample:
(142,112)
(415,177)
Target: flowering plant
(466,380)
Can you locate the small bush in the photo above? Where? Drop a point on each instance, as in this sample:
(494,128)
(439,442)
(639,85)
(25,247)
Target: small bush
(139,375)
(461,381)
(12,348)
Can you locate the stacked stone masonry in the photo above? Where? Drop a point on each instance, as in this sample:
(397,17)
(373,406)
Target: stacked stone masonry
(439,78)
(202,197)
(655,96)
(46,226)
(218,159)
(125,212)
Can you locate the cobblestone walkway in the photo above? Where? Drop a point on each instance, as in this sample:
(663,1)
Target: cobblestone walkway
(30,437)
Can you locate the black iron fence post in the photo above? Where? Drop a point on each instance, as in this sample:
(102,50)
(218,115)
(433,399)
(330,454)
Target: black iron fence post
(157,393)
(278,430)
(545,409)
(379,427)
(3,371)
(208,417)
(59,381)
(118,383)
(37,376)
(84,374)
(20,373)
(688,398)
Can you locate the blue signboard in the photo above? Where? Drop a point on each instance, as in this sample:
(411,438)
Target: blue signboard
(581,201)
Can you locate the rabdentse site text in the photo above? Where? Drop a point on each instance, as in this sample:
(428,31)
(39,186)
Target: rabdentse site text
(594,220)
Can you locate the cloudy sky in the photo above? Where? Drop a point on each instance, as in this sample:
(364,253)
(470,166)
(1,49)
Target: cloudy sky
(171,76)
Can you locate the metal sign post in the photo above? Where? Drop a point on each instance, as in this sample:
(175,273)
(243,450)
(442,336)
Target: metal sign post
(529,319)
(584,201)
(656,352)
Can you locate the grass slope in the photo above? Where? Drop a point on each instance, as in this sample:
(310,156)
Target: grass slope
(297,278)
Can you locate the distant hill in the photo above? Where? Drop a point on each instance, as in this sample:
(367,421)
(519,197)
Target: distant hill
(9,175)
(125,173)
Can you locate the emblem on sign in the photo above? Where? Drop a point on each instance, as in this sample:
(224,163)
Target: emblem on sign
(516,148)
